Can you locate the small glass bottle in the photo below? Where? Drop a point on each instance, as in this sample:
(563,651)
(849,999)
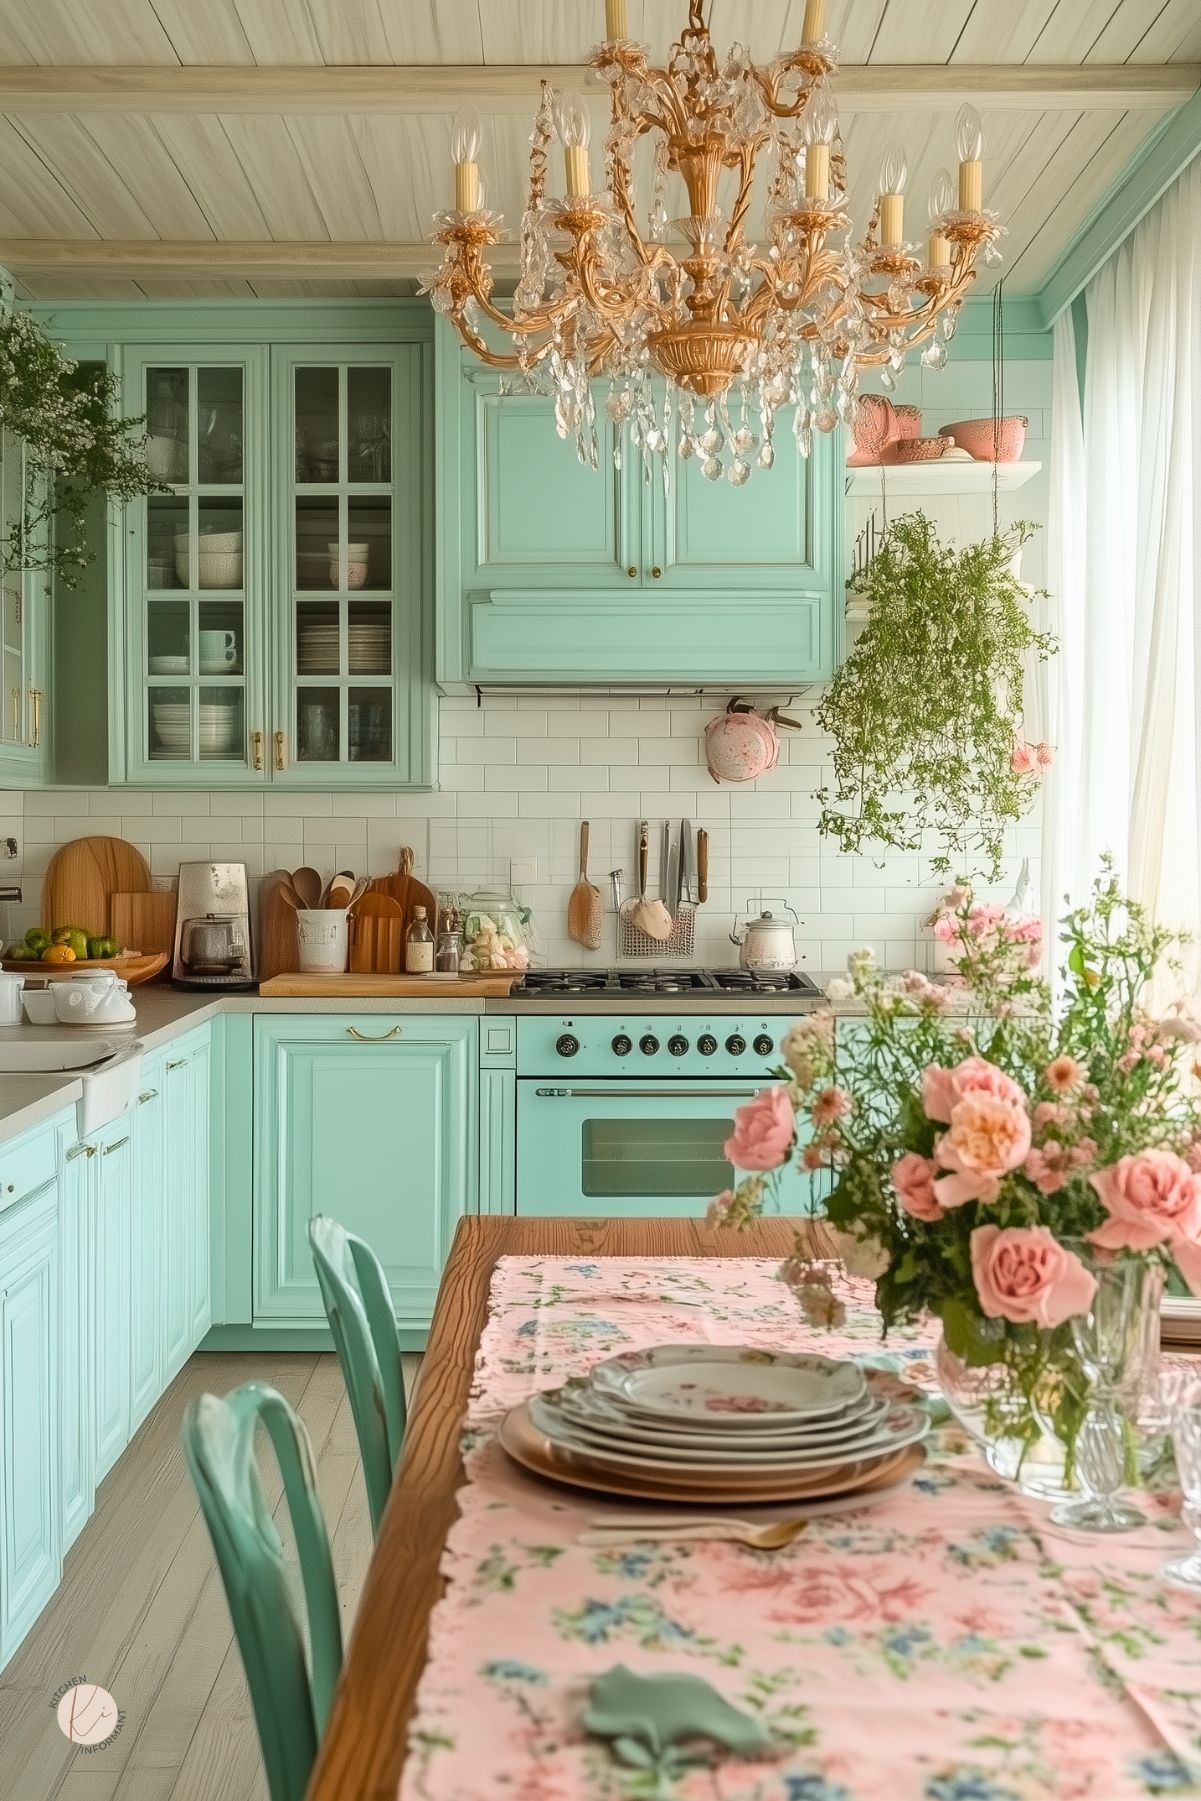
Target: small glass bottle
(419,946)
(449,951)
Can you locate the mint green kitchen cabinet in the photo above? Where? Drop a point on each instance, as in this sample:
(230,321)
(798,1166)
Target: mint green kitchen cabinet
(371,1120)
(497,1115)
(30,1520)
(150,1222)
(552,572)
(186,1311)
(76,1262)
(113,1205)
(24,641)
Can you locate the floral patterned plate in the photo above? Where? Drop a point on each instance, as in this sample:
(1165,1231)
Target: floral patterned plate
(733,1386)
(534,1451)
(582,1403)
(584,1416)
(901,1426)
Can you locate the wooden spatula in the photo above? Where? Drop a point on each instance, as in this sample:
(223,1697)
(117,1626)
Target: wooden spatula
(585,914)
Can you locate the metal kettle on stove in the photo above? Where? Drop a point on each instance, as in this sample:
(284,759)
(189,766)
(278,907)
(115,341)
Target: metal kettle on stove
(766,944)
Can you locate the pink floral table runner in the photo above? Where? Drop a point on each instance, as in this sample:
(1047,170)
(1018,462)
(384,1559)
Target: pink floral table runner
(946,1645)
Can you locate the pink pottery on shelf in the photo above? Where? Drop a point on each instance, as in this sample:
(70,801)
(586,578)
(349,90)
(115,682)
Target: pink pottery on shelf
(922,450)
(989,439)
(875,429)
(740,746)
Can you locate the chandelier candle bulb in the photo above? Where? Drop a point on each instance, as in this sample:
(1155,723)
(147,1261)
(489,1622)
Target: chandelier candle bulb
(817,135)
(942,198)
(815,22)
(969,137)
(892,196)
(817,171)
(575,130)
(615,21)
(465,149)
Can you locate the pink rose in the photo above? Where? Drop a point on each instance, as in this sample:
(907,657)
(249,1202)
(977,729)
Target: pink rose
(943,1088)
(1044,755)
(1023,759)
(1023,1274)
(1048,1168)
(1151,1198)
(988,1138)
(763,1131)
(913,1178)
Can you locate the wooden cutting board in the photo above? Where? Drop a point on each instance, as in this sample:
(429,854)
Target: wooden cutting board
(408,892)
(376,943)
(364,987)
(277,947)
(144,922)
(82,878)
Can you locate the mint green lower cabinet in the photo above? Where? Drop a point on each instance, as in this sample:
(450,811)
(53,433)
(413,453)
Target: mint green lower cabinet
(148,1226)
(30,1530)
(200,1306)
(371,1120)
(113,1178)
(76,1264)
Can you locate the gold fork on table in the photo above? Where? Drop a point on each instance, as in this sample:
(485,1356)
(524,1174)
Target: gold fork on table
(686,1528)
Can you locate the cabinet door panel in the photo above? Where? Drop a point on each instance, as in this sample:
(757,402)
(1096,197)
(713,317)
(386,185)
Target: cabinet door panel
(200,1313)
(76,1276)
(30,1552)
(179,1238)
(376,1135)
(772,533)
(539,515)
(111,1337)
(146,1286)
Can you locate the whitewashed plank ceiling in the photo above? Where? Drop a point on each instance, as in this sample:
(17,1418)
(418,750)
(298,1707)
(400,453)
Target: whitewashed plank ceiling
(237,168)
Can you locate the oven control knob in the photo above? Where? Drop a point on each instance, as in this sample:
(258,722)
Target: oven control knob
(735,1045)
(706,1044)
(622,1046)
(567,1046)
(648,1045)
(763,1046)
(677,1045)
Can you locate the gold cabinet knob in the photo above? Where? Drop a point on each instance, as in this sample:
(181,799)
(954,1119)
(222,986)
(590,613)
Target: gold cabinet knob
(656,572)
(632,571)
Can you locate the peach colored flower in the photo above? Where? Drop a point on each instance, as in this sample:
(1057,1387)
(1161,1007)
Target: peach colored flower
(1023,1274)
(763,1131)
(831,1104)
(987,1139)
(1049,1167)
(1044,754)
(1151,1198)
(813,1157)
(1022,759)
(943,1088)
(719,1207)
(1064,1075)
(913,1178)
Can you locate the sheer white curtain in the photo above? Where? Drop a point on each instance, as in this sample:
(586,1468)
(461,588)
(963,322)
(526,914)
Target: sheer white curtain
(1124,549)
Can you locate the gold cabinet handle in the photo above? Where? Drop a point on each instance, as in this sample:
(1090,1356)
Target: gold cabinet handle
(656,572)
(632,572)
(35,695)
(116,1145)
(367,1038)
(256,750)
(281,760)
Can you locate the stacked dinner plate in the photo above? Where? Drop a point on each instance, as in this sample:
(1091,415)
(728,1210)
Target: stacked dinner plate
(722,1423)
(368,647)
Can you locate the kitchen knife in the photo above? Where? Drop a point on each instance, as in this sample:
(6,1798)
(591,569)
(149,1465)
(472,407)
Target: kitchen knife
(671,875)
(665,866)
(687,862)
(677,875)
(644,840)
(702,865)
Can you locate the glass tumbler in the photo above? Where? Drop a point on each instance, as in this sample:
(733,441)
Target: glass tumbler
(1184,1405)
(1110,1340)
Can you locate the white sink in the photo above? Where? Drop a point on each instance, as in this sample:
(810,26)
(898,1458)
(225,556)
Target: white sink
(110,1072)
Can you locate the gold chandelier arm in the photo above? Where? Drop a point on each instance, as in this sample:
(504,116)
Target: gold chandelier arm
(747,159)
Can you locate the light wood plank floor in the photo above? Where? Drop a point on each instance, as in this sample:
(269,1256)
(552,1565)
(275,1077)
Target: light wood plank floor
(141,1610)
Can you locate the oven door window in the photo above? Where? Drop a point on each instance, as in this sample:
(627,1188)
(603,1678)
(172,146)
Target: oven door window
(654,1158)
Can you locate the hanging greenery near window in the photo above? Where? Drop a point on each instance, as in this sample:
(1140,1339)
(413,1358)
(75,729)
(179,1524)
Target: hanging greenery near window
(925,713)
(74,444)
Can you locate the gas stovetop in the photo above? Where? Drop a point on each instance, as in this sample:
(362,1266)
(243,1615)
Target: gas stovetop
(581,985)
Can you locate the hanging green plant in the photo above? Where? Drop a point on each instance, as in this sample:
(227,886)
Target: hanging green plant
(925,713)
(75,443)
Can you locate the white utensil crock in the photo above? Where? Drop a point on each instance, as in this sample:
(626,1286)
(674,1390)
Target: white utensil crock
(323,939)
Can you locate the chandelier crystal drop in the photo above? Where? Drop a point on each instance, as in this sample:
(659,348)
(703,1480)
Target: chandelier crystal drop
(688,336)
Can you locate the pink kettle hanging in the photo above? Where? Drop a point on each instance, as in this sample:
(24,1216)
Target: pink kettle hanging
(741,744)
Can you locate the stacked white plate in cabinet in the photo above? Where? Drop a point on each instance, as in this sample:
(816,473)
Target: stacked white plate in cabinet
(722,1422)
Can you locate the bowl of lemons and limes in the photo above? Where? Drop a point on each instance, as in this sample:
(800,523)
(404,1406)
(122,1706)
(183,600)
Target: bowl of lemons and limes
(61,950)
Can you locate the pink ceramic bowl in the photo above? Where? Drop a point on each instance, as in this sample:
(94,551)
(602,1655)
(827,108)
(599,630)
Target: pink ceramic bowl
(977,437)
(921,450)
(909,421)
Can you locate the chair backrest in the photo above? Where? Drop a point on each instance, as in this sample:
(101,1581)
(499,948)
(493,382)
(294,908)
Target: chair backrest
(363,1326)
(291,1697)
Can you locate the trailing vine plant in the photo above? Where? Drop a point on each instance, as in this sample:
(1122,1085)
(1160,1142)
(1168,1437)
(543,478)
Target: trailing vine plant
(75,443)
(925,713)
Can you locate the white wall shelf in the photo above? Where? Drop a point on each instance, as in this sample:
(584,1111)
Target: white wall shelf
(909,481)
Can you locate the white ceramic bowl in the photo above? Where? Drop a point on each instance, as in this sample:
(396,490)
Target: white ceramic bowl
(209,540)
(214,568)
(165,457)
(168,666)
(39,1005)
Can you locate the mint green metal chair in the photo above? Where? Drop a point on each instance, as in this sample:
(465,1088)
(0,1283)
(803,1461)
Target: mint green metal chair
(290,1693)
(363,1326)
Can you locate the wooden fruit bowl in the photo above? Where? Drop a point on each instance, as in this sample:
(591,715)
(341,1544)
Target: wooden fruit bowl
(133,967)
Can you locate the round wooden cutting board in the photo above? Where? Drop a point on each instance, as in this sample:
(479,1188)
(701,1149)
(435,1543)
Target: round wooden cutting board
(82,878)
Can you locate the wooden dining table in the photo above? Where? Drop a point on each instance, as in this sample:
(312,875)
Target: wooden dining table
(364,1747)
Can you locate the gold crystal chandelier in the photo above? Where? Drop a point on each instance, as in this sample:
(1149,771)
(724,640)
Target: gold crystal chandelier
(695,337)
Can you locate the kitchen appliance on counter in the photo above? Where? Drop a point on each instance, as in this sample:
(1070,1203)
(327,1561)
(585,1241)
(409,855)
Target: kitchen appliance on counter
(212,927)
(628,1081)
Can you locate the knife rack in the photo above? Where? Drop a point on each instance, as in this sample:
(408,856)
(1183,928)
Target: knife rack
(636,945)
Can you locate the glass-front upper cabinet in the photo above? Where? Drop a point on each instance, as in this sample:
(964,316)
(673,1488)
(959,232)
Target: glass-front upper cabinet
(195,570)
(349,504)
(24,632)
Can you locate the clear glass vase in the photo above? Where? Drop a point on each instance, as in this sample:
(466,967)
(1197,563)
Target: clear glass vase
(1022,1440)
